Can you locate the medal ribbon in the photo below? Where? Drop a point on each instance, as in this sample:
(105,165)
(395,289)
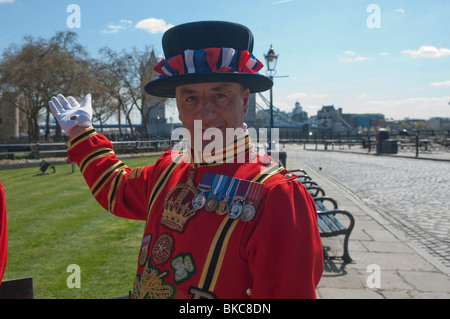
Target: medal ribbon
(228,181)
(242,188)
(231,189)
(206,182)
(255,192)
(217,184)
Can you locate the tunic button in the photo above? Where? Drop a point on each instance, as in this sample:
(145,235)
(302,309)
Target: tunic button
(289,175)
(249,292)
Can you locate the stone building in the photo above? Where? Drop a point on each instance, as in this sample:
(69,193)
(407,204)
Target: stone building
(155,107)
(330,118)
(298,115)
(250,118)
(9,121)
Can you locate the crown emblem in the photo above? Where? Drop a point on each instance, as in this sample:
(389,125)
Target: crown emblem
(178,208)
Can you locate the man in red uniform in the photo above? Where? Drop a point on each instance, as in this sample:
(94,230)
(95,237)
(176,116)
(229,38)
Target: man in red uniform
(221,220)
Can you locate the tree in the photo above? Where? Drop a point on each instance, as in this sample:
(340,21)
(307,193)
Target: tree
(102,84)
(423,125)
(133,70)
(404,126)
(73,69)
(39,69)
(21,74)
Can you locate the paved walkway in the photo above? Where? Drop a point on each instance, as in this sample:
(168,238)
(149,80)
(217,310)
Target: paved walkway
(381,251)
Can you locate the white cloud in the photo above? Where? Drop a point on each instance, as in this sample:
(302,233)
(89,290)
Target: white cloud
(115,28)
(356,59)
(384,53)
(153,25)
(361,58)
(7,1)
(402,11)
(426,51)
(440,84)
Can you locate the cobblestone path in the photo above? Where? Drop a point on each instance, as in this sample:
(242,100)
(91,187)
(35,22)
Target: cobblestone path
(414,195)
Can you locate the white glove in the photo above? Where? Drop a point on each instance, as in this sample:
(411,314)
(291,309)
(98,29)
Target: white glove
(69,113)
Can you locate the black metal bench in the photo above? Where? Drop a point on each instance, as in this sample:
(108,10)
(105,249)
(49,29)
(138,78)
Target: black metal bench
(327,212)
(330,226)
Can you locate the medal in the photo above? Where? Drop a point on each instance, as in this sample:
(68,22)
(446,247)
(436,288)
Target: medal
(248,213)
(223,203)
(212,203)
(222,207)
(235,209)
(253,197)
(199,200)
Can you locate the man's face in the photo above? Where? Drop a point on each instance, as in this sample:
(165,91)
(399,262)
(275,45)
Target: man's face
(219,105)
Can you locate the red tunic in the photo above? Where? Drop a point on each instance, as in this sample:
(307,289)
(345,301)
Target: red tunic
(199,254)
(3,233)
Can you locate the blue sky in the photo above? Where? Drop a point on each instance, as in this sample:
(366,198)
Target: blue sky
(391,58)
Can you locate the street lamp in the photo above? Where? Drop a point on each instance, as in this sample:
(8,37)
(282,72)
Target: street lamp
(271,63)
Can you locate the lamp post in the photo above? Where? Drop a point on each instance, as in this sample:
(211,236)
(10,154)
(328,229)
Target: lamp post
(271,63)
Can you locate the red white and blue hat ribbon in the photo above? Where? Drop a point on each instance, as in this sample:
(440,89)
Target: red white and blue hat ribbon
(209,60)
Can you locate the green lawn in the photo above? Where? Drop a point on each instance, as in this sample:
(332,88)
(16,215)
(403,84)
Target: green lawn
(54,221)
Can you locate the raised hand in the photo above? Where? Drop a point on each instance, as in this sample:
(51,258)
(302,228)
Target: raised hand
(71,116)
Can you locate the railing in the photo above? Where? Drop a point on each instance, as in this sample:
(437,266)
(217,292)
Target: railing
(417,147)
(423,142)
(46,150)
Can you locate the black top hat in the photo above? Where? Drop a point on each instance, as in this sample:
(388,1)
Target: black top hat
(208,51)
